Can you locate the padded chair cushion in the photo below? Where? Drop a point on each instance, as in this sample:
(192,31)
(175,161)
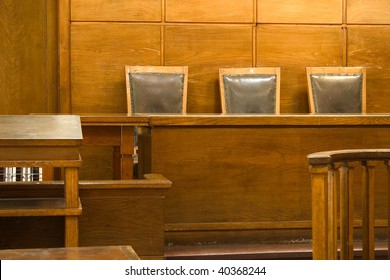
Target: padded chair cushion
(250,93)
(337,93)
(156,92)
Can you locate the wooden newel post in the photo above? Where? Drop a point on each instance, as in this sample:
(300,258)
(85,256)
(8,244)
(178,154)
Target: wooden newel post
(323,212)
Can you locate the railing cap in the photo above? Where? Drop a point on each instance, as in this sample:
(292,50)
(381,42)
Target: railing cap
(329,157)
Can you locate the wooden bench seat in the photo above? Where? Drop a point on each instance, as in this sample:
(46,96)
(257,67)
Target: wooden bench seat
(115,212)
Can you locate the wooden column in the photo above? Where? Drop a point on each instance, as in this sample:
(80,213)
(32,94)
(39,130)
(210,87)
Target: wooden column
(71,201)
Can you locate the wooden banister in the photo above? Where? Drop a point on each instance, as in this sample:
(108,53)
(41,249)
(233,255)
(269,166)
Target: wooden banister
(326,187)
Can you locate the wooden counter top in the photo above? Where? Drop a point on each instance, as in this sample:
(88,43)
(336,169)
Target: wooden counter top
(71,253)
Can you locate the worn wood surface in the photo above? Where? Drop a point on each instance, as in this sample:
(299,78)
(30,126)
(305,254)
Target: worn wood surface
(72,253)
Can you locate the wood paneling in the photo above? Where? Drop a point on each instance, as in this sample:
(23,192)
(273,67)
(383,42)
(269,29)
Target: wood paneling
(371,12)
(204,49)
(114,213)
(293,48)
(369,46)
(299,11)
(290,34)
(97,163)
(233,182)
(123,216)
(99,52)
(210,11)
(28,57)
(118,10)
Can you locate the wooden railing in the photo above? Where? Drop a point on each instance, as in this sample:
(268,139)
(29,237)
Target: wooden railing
(331,179)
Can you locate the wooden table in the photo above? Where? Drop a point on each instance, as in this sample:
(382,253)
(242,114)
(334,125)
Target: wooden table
(71,253)
(44,141)
(117,131)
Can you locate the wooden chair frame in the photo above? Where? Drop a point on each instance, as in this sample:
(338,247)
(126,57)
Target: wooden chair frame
(254,71)
(335,71)
(156,69)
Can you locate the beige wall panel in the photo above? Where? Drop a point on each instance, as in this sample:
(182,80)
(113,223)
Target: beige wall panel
(118,10)
(299,11)
(205,49)
(364,11)
(210,11)
(99,52)
(27,53)
(293,48)
(369,46)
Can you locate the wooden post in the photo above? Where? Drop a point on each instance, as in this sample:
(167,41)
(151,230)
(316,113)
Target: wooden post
(346,212)
(368,193)
(127,151)
(320,221)
(71,201)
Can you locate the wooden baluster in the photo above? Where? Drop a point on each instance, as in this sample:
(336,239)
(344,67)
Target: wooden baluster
(332,215)
(368,217)
(346,212)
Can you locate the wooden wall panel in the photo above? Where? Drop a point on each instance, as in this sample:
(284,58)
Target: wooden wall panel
(210,11)
(369,46)
(28,57)
(118,10)
(293,48)
(371,12)
(205,49)
(97,163)
(123,216)
(229,178)
(114,213)
(99,52)
(290,34)
(299,11)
